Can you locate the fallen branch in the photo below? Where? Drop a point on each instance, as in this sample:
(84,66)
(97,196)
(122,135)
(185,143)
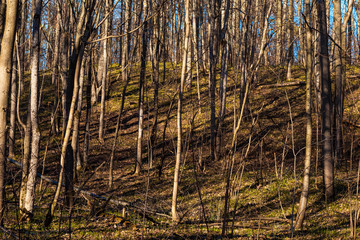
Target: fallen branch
(124,204)
(7,231)
(286,84)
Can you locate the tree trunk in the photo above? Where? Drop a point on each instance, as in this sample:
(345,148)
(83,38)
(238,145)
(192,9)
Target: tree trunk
(13,103)
(84,19)
(326,105)
(279,26)
(88,113)
(338,80)
(223,76)
(75,134)
(7,44)
(34,92)
(67,86)
(307,162)
(141,93)
(174,213)
(290,33)
(214,25)
(103,64)
(55,71)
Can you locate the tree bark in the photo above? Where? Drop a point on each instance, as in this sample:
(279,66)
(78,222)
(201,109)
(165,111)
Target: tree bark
(338,80)
(326,104)
(214,25)
(55,70)
(223,76)
(34,92)
(103,63)
(279,27)
(13,103)
(174,212)
(84,21)
(290,33)
(307,162)
(76,130)
(138,164)
(7,44)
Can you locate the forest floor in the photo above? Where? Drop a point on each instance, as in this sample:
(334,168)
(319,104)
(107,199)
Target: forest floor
(264,188)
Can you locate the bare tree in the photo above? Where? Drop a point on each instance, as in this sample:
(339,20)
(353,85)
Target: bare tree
(307,162)
(7,44)
(214,42)
(34,92)
(326,103)
(83,30)
(103,64)
(174,212)
(144,46)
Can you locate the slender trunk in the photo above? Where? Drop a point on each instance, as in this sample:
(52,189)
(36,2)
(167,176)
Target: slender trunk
(155,66)
(7,44)
(279,26)
(141,95)
(223,76)
(290,33)
(88,114)
(103,73)
(66,85)
(55,71)
(214,25)
(25,160)
(338,81)
(75,134)
(13,103)
(34,92)
(326,103)
(174,213)
(74,75)
(307,161)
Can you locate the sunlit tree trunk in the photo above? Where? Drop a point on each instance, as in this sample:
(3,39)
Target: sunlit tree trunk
(7,44)
(76,129)
(34,92)
(290,35)
(174,212)
(279,27)
(103,64)
(307,162)
(338,79)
